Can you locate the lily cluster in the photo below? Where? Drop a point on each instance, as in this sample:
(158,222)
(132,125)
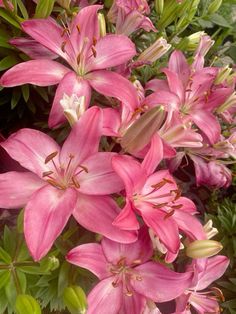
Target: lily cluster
(149,130)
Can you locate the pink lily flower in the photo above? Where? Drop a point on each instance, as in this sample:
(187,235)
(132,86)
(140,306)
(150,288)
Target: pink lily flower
(129,279)
(87,54)
(156,197)
(206,271)
(129,16)
(190,92)
(60,182)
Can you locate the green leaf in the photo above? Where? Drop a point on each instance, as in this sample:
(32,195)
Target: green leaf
(6,16)
(22,9)
(4,278)
(63,278)
(16,95)
(4,256)
(7,62)
(229,304)
(219,20)
(25,92)
(44,8)
(9,240)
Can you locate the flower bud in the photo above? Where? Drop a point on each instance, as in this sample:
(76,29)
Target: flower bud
(26,304)
(64,3)
(222,75)
(214,6)
(102,24)
(230,101)
(191,42)
(49,264)
(155,51)
(141,131)
(203,248)
(159,6)
(75,299)
(73,107)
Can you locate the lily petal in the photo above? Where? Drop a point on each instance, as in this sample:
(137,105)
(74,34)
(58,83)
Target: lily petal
(101,179)
(179,65)
(96,213)
(91,257)
(114,85)
(40,72)
(46,214)
(127,220)
(12,195)
(122,51)
(30,148)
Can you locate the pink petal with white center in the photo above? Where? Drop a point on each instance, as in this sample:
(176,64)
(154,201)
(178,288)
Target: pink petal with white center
(179,65)
(122,51)
(135,253)
(37,72)
(101,179)
(69,85)
(96,213)
(208,124)
(111,122)
(83,140)
(32,48)
(46,214)
(85,29)
(130,172)
(91,257)
(163,226)
(127,219)
(31,148)
(105,298)
(154,155)
(16,188)
(190,225)
(175,84)
(156,84)
(215,268)
(39,30)
(114,85)
(159,283)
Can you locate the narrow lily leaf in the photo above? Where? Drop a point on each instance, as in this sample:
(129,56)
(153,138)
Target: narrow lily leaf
(25,92)
(44,8)
(8,62)
(22,9)
(6,16)
(16,95)
(4,277)
(4,256)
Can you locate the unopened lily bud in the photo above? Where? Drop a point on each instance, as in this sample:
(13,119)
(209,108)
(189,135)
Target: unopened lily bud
(49,264)
(141,131)
(203,248)
(159,6)
(169,14)
(210,230)
(26,304)
(102,24)
(214,6)
(75,299)
(191,42)
(230,101)
(222,75)
(73,107)
(155,51)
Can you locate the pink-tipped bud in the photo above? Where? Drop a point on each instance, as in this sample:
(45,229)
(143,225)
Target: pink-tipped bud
(155,51)
(73,107)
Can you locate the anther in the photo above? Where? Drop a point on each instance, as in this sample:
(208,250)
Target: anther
(168,181)
(94,51)
(78,28)
(158,185)
(76,184)
(171,213)
(177,206)
(94,40)
(160,205)
(47,173)
(63,46)
(84,168)
(50,157)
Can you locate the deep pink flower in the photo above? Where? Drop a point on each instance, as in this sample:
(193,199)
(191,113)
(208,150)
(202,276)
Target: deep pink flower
(129,279)
(87,54)
(74,179)
(190,92)
(206,271)
(156,197)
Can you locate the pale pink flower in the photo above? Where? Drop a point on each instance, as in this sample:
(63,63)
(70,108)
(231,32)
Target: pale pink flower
(74,179)
(88,55)
(129,279)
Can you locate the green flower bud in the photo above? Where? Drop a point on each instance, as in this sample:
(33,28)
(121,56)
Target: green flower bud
(223,74)
(26,304)
(203,248)
(49,264)
(102,24)
(214,6)
(155,51)
(75,299)
(159,6)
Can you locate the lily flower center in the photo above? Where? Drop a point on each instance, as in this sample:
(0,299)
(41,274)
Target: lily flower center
(63,176)
(123,273)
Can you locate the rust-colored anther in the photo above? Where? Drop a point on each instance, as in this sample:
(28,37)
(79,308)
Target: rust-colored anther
(50,157)
(47,173)
(94,52)
(171,213)
(78,28)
